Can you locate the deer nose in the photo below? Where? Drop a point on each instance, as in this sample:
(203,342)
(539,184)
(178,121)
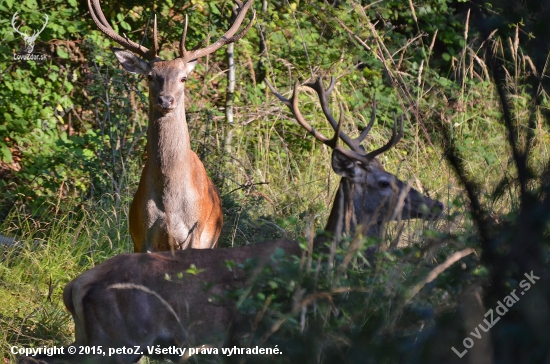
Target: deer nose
(165,102)
(440,207)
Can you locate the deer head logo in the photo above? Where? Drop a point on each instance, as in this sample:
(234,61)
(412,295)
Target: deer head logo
(29,39)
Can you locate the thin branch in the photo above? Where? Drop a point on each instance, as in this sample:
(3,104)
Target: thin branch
(437,271)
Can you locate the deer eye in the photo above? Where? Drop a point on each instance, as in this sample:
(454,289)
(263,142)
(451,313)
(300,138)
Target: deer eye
(383,184)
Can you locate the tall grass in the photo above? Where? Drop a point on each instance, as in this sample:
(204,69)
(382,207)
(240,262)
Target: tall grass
(51,251)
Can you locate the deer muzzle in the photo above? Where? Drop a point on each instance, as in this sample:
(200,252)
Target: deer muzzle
(165,102)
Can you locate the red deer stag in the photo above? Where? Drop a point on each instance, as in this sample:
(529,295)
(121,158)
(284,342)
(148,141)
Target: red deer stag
(378,196)
(174,190)
(127,301)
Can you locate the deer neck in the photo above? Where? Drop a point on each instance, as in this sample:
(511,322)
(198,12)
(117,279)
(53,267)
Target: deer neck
(341,220)
(369,217)
(346,214)
(168,142)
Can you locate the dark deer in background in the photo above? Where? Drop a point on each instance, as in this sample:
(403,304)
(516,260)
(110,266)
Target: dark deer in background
(127,301)
(378,196)
(174,190)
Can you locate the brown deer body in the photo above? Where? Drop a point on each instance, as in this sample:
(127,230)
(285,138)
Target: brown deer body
(127,301)
(176,204)
(174,184)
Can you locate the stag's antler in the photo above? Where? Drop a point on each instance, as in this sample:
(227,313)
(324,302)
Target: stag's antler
(107,29)
(228,37)
(356,152)
(185,55)
(293,106)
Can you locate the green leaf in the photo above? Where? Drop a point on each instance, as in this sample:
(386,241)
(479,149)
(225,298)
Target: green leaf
(62,53)
(214,9)
(5,153)
(40,81)
(193,270)
(125,25)
(31,4)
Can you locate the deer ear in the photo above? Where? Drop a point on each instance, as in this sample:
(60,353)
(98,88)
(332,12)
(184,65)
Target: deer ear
(131,62)
(190,66)
(342,164)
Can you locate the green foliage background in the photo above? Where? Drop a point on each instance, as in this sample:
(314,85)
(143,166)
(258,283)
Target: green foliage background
(61,137)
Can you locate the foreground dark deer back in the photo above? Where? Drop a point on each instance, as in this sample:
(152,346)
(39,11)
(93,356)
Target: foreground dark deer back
(176,204)
(127,301)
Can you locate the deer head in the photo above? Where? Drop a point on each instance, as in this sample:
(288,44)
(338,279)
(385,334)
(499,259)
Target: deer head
(166,78)
(378,195)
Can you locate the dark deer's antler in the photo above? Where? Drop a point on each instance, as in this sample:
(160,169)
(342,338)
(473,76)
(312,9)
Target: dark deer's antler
(356,152)
(323,94)
(293,106)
